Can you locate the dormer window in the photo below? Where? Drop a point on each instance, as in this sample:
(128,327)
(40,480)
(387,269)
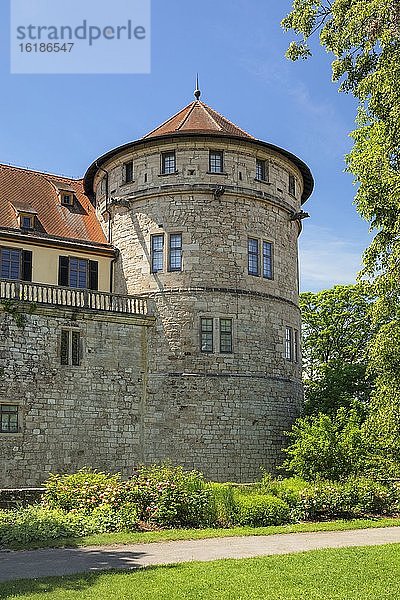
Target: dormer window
(26,220)
(67,198)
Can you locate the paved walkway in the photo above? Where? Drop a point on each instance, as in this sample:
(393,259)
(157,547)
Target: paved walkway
(65,561)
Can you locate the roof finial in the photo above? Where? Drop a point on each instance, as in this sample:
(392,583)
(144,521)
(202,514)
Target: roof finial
(197,92)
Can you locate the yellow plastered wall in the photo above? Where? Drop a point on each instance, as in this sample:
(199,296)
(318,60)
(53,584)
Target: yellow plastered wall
(45,262)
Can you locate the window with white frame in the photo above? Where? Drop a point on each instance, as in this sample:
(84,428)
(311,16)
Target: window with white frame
(8,418)
(175,252)
(168,162)
(225,336)
(253,256)
(222,341)
(207,334)
(291,344)
(216,161)
(70,347)
(268,272)
(261,170)
(157,253)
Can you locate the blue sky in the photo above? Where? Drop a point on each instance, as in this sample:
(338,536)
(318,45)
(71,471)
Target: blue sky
(61,123)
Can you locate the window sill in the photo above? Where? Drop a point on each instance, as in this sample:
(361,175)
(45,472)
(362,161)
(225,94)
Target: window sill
(217,173)
(124,183)
(167,174)
(4,435)
(264,181)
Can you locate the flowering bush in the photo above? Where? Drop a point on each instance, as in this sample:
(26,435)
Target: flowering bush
(84,490)
(169,496)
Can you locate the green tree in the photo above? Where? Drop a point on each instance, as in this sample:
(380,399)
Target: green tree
(364,38)
(337,329)
(326,447)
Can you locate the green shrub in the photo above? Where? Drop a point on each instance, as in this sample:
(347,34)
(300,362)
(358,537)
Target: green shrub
(288,489)
(356,497)
(261,510)
(327,447)
(169,496)
(39,524)
(84,490)
(221,506)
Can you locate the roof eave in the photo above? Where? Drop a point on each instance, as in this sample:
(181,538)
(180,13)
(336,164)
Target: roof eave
(302,166)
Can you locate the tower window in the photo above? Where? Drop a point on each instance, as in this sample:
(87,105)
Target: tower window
(292,185)
(175,252)
(206,335)
(253,257)
(291,344)
(225,336)
(267,260)
(216,161)
(168,163)
(261,170)
(70,347)
(157,253)
(128,172)
(8,418)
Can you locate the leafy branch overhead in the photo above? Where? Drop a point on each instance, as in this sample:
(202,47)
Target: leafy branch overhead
(364,38)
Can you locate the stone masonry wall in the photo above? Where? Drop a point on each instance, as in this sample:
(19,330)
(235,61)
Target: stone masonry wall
(71,416)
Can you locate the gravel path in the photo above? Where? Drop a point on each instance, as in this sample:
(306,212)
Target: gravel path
(30,564)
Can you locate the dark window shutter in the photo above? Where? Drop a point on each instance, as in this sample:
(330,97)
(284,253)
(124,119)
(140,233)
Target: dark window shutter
(26,265)
(93,275)
(63,269)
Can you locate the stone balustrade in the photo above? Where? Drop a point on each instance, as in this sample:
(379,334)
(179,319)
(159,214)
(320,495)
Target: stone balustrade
(40,293)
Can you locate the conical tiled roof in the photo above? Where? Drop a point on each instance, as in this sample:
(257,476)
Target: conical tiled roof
(197,117)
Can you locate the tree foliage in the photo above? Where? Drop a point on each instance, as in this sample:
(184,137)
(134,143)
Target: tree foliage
(337,330)
(364,38)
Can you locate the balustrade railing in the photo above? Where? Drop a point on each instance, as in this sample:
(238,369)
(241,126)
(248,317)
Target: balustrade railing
(41,293)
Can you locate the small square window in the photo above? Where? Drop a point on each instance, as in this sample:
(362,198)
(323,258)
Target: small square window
(70,347)
(168,163)
(206,335)
(128,172)
(292,185)
(157,253)
(26,221)
(216,161)
(8,418)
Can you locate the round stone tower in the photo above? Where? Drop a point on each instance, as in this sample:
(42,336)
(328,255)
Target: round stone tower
(206,219)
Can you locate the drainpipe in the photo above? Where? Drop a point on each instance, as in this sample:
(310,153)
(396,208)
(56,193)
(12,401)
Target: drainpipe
(114,260)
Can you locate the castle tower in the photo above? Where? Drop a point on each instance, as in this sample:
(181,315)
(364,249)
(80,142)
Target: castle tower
(206,219)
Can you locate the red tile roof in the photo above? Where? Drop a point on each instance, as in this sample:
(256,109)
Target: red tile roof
(197,117)
(21,188)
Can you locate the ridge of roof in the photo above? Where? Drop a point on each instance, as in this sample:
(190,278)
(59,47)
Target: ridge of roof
(43,173)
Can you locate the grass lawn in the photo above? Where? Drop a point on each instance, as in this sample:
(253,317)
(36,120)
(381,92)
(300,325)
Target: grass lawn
(336,574)
(109,539)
